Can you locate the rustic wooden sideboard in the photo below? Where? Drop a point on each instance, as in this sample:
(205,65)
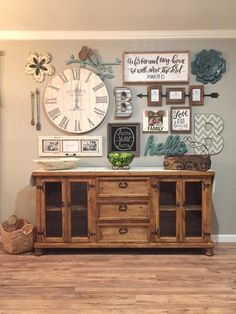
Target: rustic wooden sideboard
(138,208)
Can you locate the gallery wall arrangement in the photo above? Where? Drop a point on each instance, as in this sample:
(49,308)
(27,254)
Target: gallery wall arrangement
(74,102)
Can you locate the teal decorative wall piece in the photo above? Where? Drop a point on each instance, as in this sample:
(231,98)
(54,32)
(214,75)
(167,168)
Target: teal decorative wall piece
(208,66)
(88,57)
(173,146)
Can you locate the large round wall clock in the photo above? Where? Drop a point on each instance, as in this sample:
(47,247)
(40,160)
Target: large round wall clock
(76,100)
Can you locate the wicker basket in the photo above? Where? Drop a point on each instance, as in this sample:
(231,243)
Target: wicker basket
(17,235)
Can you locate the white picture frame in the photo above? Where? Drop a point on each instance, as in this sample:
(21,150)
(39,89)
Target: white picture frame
(56,146)
(155,121)
(181,119)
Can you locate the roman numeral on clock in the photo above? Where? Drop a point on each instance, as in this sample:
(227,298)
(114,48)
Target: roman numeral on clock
(91,124)
(87,79)
(64,122)
(75,73)
(99,112)
(54,87)
(53,114)
(77,126)
(51,100)
(101,99)
(95,88)
(63,77)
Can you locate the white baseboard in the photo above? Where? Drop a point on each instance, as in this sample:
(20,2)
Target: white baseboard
(224,238)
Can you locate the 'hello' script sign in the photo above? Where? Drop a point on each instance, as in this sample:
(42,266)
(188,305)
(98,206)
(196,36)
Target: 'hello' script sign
(173,146)
(141,67)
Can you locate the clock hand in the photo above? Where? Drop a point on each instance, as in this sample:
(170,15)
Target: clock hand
(76,98)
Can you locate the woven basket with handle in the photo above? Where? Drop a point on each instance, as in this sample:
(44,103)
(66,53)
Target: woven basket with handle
(17,235)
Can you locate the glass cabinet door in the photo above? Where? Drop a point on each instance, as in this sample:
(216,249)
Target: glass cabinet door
(53,203)
(78,204)
(167,209)
(192,208)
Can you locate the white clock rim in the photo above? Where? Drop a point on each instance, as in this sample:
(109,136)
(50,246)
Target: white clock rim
(61,128)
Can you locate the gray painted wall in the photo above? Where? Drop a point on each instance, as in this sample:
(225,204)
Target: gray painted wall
(18,138)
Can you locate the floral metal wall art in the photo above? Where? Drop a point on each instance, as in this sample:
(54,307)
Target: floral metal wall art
(38,65)
(208,66)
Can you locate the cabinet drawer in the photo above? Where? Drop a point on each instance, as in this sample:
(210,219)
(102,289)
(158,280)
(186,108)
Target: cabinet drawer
(123,233)
(124,187)
(124,210)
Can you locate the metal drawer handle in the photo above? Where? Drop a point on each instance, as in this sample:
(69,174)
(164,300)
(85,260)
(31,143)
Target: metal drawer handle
(123,208)
(123,230)
(123,185)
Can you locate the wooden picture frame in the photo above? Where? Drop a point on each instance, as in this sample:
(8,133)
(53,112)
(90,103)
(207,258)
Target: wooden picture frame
(175,96)
(196,95)
(154,95)
(57,146)
(124,137)
(156,121)
(180,119)
(155,67)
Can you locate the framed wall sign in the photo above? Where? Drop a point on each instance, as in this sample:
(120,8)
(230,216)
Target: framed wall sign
(49,146)
(175,96)
(180,119)
(124,137)
(196,95)
(156,67)
(155,121)
(154,94)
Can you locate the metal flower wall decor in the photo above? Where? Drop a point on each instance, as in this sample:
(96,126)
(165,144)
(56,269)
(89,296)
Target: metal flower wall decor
(208,66)
(38,65)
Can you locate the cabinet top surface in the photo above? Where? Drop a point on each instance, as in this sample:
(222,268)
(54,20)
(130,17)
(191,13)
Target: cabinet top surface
(105,171)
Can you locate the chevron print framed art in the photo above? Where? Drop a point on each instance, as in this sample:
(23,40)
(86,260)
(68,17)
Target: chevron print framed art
(207,130)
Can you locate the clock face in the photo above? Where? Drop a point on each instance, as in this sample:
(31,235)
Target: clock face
(76,100)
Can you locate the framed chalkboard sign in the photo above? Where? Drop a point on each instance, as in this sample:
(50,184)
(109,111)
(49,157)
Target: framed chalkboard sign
(124,137)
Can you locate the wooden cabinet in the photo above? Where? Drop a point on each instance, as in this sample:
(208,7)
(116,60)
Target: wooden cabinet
(65,210)
(144,208)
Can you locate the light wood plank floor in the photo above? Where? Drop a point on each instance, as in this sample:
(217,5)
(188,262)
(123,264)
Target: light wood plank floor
(128,282)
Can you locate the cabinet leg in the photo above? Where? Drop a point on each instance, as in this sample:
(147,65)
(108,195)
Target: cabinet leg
(38,252)
(209,252)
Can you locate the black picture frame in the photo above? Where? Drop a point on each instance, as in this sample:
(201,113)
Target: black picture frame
(124,137)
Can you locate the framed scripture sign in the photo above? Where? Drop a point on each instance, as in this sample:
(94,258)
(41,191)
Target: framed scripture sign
(49,146)
(180,119)
(155,121)
(124,137)
(156,67)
